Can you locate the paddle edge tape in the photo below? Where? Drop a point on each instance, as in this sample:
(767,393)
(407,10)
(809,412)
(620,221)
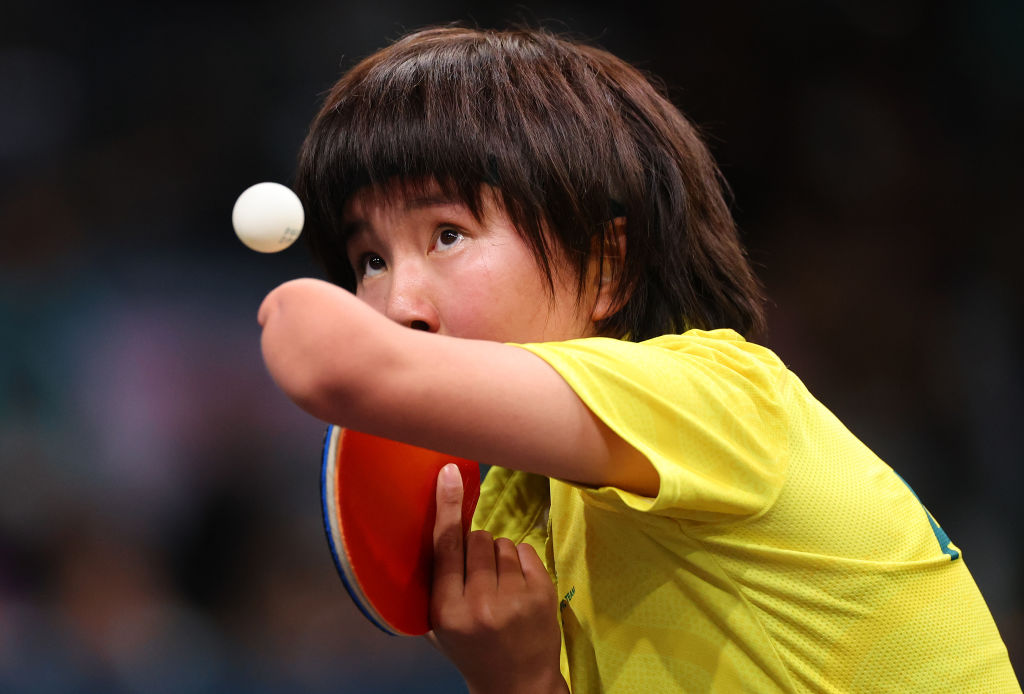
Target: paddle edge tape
(332,527)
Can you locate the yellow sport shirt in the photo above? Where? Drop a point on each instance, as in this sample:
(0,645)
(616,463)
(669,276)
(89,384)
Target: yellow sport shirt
(780,555)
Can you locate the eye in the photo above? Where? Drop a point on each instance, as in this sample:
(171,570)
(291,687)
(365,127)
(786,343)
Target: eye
(371,265)
(446,239)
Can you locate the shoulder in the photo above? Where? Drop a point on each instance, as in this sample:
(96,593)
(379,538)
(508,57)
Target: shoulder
(723,346)
(705,408)
(713,355)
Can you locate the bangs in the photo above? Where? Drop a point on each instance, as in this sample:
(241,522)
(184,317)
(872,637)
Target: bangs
(459,112)
(569,137)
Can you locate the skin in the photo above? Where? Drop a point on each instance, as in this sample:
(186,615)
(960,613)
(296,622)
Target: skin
(419,355)
(427,262)
(493,605)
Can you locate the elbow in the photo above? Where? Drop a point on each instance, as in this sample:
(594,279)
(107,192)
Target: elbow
(325,349)
(298,348)
(324,400)
(319,387)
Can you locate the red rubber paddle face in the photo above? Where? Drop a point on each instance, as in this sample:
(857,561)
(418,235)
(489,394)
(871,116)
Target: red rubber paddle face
(379,505)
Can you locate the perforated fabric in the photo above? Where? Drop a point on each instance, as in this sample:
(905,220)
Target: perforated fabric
(780,555)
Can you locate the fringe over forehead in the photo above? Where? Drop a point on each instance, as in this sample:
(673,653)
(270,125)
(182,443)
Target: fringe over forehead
(570,136)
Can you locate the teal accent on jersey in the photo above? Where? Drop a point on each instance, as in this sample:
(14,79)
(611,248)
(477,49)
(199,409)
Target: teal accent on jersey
(940,534)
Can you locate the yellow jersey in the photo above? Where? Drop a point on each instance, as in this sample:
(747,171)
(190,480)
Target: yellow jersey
(780,554)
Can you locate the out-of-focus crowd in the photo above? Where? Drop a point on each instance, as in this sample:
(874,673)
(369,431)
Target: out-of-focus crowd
(159,504)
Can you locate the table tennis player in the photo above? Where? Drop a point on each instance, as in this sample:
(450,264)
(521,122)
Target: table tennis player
(534,266)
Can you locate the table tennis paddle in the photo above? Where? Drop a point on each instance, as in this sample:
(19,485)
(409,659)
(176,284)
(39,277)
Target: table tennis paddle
(379,503)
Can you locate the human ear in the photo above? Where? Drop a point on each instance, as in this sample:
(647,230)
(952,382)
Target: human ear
(609,256)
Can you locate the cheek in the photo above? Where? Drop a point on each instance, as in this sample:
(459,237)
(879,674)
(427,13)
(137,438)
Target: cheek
(494,299)
(472,310)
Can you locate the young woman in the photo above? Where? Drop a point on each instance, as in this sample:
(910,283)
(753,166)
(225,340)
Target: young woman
(538,271)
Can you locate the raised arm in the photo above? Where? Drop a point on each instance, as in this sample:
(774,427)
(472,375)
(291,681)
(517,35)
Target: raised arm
(344,363)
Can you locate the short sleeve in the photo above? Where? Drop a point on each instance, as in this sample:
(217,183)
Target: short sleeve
(703,407)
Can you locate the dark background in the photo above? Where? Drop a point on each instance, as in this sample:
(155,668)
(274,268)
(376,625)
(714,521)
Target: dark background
(159,504)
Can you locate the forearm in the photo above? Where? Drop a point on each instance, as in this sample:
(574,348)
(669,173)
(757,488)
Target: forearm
(322,347)
(346,364)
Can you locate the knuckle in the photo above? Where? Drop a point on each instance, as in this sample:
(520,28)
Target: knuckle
(538,598)
(486,620)
(481,536)
(448,540)
(528,549)
(505,545)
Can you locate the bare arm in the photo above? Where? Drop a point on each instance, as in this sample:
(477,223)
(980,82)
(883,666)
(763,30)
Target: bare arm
(346,364)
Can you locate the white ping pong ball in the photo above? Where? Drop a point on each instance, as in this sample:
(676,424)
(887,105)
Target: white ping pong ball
(268,217)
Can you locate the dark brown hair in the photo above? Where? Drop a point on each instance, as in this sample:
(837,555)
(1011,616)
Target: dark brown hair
(570,135)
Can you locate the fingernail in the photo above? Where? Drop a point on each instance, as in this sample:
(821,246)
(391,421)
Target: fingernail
(450,475)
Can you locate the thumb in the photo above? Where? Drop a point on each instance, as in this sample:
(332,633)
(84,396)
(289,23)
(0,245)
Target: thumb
(449,560)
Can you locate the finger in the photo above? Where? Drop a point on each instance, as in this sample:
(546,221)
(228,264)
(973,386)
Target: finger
(532,567)
(481,574)
(449,561)
(432,640)
(510,572)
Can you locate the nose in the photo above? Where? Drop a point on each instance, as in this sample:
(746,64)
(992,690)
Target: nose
(410,300)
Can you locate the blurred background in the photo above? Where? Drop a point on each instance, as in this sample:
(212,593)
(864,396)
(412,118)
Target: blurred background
(160,527)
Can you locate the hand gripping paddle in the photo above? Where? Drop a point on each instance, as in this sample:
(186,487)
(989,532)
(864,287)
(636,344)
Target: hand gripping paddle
(379,504)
